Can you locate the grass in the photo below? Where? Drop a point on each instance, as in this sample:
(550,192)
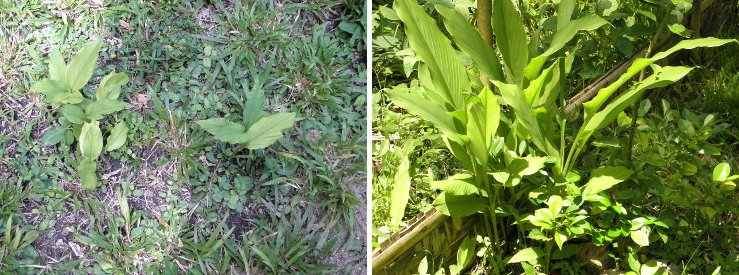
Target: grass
(172,199)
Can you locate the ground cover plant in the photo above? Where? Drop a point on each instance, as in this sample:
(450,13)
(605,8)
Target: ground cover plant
(196,137)
(559,191)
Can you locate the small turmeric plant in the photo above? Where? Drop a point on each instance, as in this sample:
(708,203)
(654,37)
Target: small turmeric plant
(81,116)
(256,129)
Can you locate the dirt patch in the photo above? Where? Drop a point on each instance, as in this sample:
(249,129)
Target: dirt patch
(341,257)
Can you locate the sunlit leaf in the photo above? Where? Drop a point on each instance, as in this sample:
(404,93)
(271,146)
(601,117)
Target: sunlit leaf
(721,172)
(603,178)
(459,206)
(510,37)
(434,49)
(459,184)
(531,255)
(470,42)
(400,192)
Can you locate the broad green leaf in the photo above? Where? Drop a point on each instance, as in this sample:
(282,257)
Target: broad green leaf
(565,8)
(427,110)
(254,105)
(526,166)
(423,266)
(434,49)
(401,192)
(459,206)
(110,86)
(640,63)
(661,78)
(86,170)
(721,172)
(560,39)
(542,218)
(482,123)
(98,109)
(91,140)
(652,267)
(224,130)
(637,223)
(466,251)
(267,130)
(54,91)
(57,67)
(459,184)
(555,205)
(74,98)
(633,262)
(530,255)
(458,150)
(510,37)
(535,89)
(82,65)
(560,238)
(117,137)
(603,178)
(470,42)
(513,95)
(492,115)
(73,113)
(53,135)
(564,35)
(641,236)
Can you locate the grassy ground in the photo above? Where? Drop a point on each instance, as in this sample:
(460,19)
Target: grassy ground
(173,199)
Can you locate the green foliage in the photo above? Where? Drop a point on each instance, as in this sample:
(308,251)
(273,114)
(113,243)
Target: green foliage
(528,153)
(184,61)
(63,89)
(257,131)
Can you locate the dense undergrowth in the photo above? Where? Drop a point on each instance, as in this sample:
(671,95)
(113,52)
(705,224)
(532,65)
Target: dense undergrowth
(667,206)
(172,198)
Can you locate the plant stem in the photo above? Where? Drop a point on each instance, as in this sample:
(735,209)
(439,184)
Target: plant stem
(548,254)
(493,217)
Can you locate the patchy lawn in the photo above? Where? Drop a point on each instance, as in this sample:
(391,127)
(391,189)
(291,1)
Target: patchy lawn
(173,199)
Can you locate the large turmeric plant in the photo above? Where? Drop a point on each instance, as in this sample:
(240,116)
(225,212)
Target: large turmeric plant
(500,147)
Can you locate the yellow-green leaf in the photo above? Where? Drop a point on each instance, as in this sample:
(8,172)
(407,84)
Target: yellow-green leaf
(459,206)
(603,178)
(117,137)
(91,140)
(267,130)
(82,65)
(110,86)
(224,130)
(98,109)
(57,67)
(400,193)
(470,42)
(510,37)
(87,169)
(448,75)
(73,113)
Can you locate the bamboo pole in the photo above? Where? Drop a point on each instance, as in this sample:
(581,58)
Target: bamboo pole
(407,239)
